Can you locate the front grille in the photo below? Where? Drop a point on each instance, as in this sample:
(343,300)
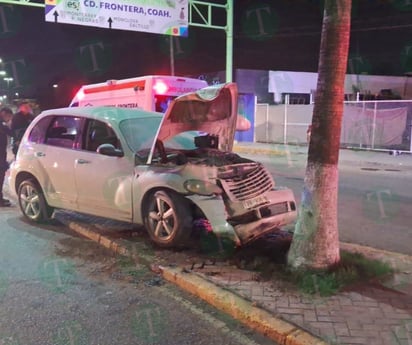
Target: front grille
(245,181)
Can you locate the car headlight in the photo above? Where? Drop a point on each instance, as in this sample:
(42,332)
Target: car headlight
(202,187)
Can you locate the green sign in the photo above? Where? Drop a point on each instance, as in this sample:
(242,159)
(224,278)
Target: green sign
(168,17)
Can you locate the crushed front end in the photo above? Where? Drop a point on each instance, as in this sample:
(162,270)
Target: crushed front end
(254,206)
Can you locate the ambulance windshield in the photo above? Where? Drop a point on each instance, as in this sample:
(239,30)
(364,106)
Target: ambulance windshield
(162,102)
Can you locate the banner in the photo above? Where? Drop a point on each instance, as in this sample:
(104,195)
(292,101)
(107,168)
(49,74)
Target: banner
(168,17)
(367,127)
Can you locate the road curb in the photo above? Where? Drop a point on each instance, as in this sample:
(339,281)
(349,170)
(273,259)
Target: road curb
(258,319)
(239,308)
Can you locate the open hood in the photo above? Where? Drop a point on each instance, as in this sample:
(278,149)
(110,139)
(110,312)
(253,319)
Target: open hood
(212,110)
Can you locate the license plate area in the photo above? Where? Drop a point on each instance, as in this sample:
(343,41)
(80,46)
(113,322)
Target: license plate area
(252,203)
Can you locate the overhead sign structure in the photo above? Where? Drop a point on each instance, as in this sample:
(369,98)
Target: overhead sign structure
(168,17)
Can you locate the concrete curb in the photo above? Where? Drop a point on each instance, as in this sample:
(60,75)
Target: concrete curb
(240,309)
(258,319)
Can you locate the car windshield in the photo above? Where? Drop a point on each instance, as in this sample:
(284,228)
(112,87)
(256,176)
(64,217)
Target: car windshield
(140,133)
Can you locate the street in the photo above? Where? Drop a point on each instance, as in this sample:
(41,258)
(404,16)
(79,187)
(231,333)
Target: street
(57,288)
(374,200)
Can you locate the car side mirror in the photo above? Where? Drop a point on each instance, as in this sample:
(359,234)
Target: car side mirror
(109,150)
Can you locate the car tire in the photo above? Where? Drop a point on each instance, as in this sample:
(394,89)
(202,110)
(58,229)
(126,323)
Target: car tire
(168,219)
(32,202)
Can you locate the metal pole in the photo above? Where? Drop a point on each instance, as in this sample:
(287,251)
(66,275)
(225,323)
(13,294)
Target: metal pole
(285,120)
(374,124)
(410,138)
(172,57)
(229,41)
(23,3)
(267,123)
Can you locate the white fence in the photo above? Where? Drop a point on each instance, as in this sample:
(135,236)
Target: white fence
(377,125)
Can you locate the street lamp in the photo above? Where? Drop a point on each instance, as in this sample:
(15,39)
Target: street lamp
(8,80)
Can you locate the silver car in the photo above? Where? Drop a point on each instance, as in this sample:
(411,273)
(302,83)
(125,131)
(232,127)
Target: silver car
(165,172)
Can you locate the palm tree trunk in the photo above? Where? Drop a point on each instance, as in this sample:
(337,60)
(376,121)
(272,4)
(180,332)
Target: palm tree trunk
(316,240)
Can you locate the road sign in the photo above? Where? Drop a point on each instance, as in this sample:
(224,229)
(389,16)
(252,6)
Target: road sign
(168,17)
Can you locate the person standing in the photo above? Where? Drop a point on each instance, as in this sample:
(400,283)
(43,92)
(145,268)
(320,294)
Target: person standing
(19,124)
(6,116)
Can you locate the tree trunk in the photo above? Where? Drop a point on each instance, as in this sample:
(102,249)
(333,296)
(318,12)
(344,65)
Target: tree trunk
(315,244)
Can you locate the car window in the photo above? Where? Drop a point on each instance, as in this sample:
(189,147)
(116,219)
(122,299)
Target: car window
(98,133)
(63,131)
(140,133)
(38,132)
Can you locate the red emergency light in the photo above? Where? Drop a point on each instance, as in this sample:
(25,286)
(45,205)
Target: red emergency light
(80,95)
(160,87)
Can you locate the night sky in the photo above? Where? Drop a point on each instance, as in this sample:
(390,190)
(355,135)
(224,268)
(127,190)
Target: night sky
(286,36)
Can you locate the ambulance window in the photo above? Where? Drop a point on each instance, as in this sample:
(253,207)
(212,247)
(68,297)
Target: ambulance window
(162,102)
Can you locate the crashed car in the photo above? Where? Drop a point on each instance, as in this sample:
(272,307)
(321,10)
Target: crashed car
(161,171)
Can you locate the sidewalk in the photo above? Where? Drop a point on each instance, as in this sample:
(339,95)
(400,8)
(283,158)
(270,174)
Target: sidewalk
(371,314)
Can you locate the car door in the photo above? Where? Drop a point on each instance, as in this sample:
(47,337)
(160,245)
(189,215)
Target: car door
(103,182)
(53,140)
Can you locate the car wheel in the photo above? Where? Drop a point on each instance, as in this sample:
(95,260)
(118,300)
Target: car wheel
(32,202)
(168,219)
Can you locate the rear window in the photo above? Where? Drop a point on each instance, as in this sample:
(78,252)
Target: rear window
(38,132)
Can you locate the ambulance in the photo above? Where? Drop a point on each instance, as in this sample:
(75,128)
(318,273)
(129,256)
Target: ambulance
(151,93)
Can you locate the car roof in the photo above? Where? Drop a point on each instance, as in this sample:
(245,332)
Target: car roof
(109,114)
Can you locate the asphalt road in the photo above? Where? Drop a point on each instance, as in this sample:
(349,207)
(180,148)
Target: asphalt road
(375,201)
(57,288)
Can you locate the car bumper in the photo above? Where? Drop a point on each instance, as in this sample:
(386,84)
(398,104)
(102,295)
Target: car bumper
(248,224)
(279,209)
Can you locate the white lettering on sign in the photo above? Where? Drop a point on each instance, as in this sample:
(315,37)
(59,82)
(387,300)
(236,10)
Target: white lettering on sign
(121,8)
(156,12)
